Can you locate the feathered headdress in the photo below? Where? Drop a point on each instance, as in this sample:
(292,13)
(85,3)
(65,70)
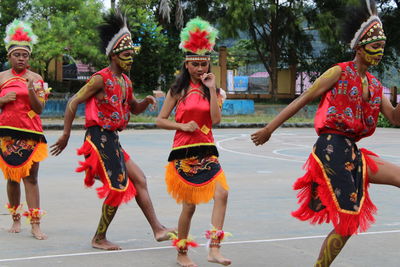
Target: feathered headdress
(114,33)
(198,39)
(362,24)
(19,35)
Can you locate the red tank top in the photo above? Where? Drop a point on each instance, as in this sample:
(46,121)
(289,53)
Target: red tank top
(18,115)
(193,106)
(112,112)
(342,109)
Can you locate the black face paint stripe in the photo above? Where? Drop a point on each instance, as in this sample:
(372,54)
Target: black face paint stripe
(372,53)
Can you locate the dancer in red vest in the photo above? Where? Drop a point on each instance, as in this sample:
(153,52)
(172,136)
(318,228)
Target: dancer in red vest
(335,187)
(22,142)
(109,101)
(194,174)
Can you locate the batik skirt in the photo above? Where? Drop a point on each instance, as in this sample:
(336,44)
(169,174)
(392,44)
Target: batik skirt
(335,186)
(18,151)
(105,160)
(193,180)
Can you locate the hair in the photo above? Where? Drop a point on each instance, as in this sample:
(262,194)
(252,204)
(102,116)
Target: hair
(182,82)
(113,22)
(355,16)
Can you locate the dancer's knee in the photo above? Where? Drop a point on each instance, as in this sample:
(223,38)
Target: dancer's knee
(221,194)
(188,209)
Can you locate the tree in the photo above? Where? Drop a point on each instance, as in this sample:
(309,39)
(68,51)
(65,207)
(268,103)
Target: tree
(276,29)
(9,10)
(66,28)
(327,17)
(156,63)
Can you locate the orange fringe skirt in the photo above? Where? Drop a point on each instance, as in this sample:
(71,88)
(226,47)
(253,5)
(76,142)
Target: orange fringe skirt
(194,180)
(18,155)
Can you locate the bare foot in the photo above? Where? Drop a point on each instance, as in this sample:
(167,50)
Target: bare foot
(184,261)
(215,256)
(16,227)
(37,233)
(104,244)
(162,235)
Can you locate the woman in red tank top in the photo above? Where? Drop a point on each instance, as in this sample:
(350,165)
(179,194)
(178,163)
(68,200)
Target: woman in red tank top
(22,142)
(335,187)
(194,175)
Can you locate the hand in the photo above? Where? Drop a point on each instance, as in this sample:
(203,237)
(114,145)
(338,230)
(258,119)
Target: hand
(261,136)
(151,101)
(10,96)
(59,146)
(189,127)
(208,79)
(29,81)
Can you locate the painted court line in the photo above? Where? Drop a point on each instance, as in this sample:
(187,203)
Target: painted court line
(218,143)
(169,247)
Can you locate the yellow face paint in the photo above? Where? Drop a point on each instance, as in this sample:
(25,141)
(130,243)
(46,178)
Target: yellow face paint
(373,56)
(125,62)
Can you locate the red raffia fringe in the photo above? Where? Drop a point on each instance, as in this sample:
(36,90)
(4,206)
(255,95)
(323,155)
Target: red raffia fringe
(16,173)
(181,191)
(345,224)
(93,167)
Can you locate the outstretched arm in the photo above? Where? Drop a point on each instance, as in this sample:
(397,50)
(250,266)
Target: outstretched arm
(391,113)
(320,86)
(94,85)
(163,122)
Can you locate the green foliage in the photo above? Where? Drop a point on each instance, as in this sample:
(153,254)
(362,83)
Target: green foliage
(10,10)
(159,57)
(66,28)
(384,123)
(275,28)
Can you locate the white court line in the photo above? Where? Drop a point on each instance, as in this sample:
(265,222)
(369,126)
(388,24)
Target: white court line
(168,247)
(250,154)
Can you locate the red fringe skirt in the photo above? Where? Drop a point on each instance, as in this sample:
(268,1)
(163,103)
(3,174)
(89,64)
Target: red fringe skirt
(105,160)
(335,186)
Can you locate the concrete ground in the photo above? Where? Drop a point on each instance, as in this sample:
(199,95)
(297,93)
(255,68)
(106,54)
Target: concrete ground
(258,216)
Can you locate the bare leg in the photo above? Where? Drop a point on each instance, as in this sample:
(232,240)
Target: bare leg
(331,247)
(184,222)
(143,199)
(99,240)
(217,220)
(14,198)
(33,199)
(387,173)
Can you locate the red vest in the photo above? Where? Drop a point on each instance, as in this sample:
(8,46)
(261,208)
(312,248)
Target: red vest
(193,106)
(18,114)
(342,109)
(112,112)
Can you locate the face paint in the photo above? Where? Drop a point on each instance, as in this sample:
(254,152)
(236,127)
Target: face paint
(333,246)
(373,56)
(125,62)
(325,76)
